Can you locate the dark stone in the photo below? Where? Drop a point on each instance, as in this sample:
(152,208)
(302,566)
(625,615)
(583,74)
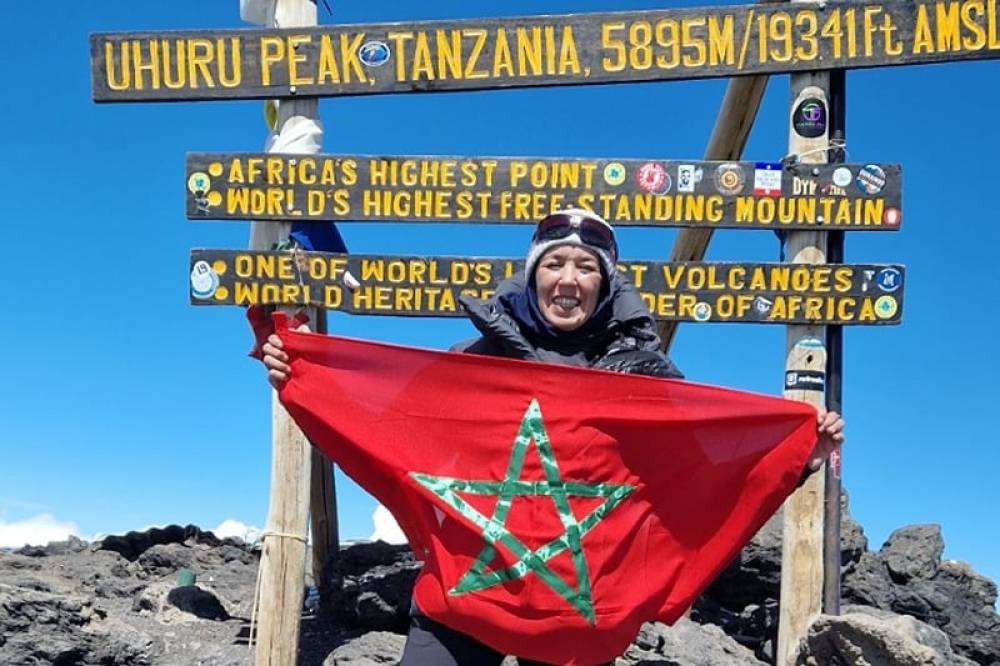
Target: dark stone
(197,601)
(31,551)
(869,636)
(867,582)
(133,544)
(164,559)
(686,643)
(755,627)
(967,600)
(913,552)
(372,649)
(369,585)
(755,575)
(853,542)
(227,553)
(953,598)
(43,628)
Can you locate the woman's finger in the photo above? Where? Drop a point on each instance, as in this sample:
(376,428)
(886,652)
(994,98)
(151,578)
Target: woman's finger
(272,363)
(276,378)
(273,352)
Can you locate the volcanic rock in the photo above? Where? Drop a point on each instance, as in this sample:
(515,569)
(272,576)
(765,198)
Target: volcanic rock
(864,636)
(370,585)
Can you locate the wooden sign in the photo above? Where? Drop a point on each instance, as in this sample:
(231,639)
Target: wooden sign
(569,49)
(434,188)
(431,286)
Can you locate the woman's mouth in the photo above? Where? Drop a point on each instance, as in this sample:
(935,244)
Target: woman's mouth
(566,302)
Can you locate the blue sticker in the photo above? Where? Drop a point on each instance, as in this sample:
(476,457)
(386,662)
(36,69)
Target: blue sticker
(889,279)
(810,343)
(204,281)
(871,179)
(374,53)
(702,311)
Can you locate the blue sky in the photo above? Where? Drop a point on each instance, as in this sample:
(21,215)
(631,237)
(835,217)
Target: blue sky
(124,406)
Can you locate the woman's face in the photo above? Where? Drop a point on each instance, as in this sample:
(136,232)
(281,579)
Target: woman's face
(567,282)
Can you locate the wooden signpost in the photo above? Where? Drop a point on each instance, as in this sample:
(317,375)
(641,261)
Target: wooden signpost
(803,196)
(424,286)
(522,190)
(569,49)
(729,136)
(296,466)
(805,355)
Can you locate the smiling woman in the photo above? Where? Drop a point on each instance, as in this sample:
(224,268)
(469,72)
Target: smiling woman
(570,306)
(567,283)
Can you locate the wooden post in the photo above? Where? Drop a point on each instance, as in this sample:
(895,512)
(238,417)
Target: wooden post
(834,372)
(323,500)
(729,136)
(802,543)
(282,575)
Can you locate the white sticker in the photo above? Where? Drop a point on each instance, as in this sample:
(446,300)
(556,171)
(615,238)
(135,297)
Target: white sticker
(842,177)
(204,281)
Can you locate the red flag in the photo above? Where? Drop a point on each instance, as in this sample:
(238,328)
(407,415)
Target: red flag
(555,508)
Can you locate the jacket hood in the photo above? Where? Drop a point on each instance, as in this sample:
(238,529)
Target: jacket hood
(492,317)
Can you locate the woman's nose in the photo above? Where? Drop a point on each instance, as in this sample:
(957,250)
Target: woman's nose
(568,274)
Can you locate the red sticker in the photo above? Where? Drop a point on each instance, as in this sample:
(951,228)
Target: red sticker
(891,217)
(653,178)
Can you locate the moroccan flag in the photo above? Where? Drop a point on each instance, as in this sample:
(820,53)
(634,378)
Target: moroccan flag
(555,508)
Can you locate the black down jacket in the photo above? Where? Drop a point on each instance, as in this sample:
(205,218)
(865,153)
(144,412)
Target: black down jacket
(629,343)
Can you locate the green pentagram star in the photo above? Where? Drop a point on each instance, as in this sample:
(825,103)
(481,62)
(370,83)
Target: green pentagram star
(494,529)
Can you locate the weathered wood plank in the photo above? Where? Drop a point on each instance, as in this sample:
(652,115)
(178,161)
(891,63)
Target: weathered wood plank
(282,563)
(430,286)
(804,380)
(569,49)
(729,136)
(642,192)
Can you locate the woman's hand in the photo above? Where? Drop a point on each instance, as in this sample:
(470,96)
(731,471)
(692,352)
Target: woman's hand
(830,431)
(276,361)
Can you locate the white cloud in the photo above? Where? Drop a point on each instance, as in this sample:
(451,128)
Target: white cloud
(234,528)
(386,527)
(35,531)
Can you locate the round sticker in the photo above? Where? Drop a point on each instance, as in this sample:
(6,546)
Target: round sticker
(374,53)
(842,176)
(702,311)
(653,178)
(891,217)
(199,182)
(762,306)
(729,178)
(889,279)
(204,281)
(614,173)
(871,179)
(809,118)
(885,307)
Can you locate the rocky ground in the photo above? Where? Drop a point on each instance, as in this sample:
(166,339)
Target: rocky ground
(118,602)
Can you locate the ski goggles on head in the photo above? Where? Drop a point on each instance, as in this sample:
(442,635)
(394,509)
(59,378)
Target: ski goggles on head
(590,230)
